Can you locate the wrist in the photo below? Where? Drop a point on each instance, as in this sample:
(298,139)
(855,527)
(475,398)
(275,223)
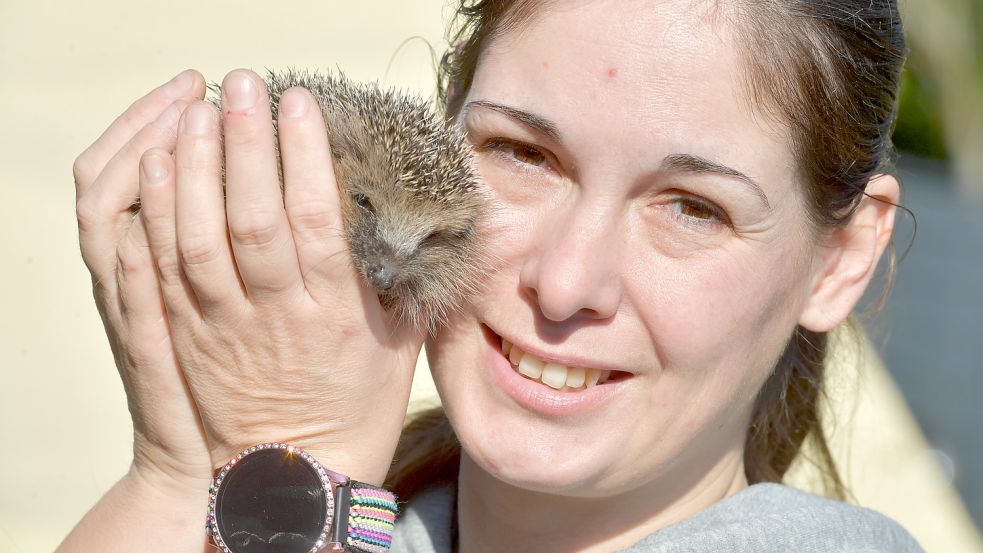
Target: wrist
(181,460)
(179,489)
(360,449)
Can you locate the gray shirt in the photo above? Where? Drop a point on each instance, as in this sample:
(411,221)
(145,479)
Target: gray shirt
(763,518)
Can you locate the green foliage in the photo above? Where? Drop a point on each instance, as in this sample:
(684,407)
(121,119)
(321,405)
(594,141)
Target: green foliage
(920,128)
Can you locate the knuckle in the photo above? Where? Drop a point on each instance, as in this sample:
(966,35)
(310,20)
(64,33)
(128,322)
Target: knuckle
(256,228)
(140,354)
(159,222)
(147,138)
(239,133)
(247,136)
(243,136)
(198,250)
(314,215)
(169,271)
(87,214)
(133,150)
(145,111)
(148,342)
(130,259)
(82,172)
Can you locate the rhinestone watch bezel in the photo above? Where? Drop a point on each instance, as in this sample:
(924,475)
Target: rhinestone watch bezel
(328,480)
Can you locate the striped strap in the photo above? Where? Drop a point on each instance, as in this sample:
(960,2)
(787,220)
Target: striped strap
(371,519)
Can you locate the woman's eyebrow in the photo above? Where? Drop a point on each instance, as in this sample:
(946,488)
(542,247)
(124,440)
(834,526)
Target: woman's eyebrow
(537,122)
(695,164)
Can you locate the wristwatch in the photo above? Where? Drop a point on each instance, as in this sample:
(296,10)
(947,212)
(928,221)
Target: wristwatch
(276,498)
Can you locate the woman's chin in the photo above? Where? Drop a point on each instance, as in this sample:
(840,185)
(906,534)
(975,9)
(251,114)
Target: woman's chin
(532,469)
(508,445)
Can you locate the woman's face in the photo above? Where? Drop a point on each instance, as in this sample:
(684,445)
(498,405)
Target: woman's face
(647,223)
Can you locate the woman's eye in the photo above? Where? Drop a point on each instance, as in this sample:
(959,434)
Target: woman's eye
(528,155)
(698,212)
(517,152)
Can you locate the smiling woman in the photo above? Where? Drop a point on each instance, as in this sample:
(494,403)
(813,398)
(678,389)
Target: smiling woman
(687,195)
(674,249)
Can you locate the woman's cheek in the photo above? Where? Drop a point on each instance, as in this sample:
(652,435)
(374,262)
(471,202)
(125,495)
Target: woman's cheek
(707,308)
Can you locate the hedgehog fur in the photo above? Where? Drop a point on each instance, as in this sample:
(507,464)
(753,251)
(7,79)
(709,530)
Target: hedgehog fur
(410,201)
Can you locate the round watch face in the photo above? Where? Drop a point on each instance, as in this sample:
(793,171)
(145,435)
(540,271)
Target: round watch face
(272,499)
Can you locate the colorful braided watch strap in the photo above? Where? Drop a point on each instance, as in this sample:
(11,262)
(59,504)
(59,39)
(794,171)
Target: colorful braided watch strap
(371,518)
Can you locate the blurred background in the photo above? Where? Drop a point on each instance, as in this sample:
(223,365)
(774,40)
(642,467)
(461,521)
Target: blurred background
(931,331)
(908,416)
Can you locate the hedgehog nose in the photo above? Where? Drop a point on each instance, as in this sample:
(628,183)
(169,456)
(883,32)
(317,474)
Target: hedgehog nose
(381,276)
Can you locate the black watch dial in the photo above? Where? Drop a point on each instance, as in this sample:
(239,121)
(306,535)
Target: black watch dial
(271,501)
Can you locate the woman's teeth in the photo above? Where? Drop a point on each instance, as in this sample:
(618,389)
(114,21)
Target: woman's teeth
(556,376)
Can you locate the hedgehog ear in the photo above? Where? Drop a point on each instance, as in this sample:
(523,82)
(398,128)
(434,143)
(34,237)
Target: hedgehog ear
(343,148)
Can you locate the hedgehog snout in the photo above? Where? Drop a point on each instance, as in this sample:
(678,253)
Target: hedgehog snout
(382,274)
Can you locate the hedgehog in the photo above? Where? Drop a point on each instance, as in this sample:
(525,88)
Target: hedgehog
(410,201)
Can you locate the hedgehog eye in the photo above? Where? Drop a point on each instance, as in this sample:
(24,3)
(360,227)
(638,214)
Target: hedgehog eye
(432,238)
(362,201)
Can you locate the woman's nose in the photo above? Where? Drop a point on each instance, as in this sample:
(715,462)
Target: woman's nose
(573,268)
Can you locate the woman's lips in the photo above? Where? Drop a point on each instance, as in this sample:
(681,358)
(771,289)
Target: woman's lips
(540,398)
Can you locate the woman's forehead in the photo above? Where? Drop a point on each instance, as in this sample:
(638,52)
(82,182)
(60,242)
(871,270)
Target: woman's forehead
(643,78)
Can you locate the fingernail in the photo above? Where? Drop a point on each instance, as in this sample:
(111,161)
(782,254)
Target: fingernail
(293,103)
(180,84)
(198,119)
(240,91)
(154,169)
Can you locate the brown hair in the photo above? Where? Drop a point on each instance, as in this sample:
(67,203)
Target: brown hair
(828,71)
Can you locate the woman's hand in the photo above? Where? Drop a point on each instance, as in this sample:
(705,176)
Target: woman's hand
(168,440)
(279,338)
(158,505)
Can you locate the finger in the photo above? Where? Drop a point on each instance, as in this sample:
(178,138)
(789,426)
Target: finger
(144,313)
(258,227)
(188,85)
(311,194)
(117,187)
(141,304)
(104,210)
(202,237)
(157,194)
(166,417)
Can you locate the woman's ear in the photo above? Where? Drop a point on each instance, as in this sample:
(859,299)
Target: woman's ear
(849,257)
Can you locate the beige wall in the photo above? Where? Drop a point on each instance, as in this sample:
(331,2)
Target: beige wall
(66,69)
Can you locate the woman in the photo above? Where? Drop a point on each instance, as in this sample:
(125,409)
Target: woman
(692,194)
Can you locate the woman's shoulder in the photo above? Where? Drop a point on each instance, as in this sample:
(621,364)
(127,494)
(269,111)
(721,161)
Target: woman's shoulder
(769,517)
(763,518)
(424,526)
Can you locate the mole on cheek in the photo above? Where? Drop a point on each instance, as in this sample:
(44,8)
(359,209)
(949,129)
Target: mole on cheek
(612,72)
(546,65)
